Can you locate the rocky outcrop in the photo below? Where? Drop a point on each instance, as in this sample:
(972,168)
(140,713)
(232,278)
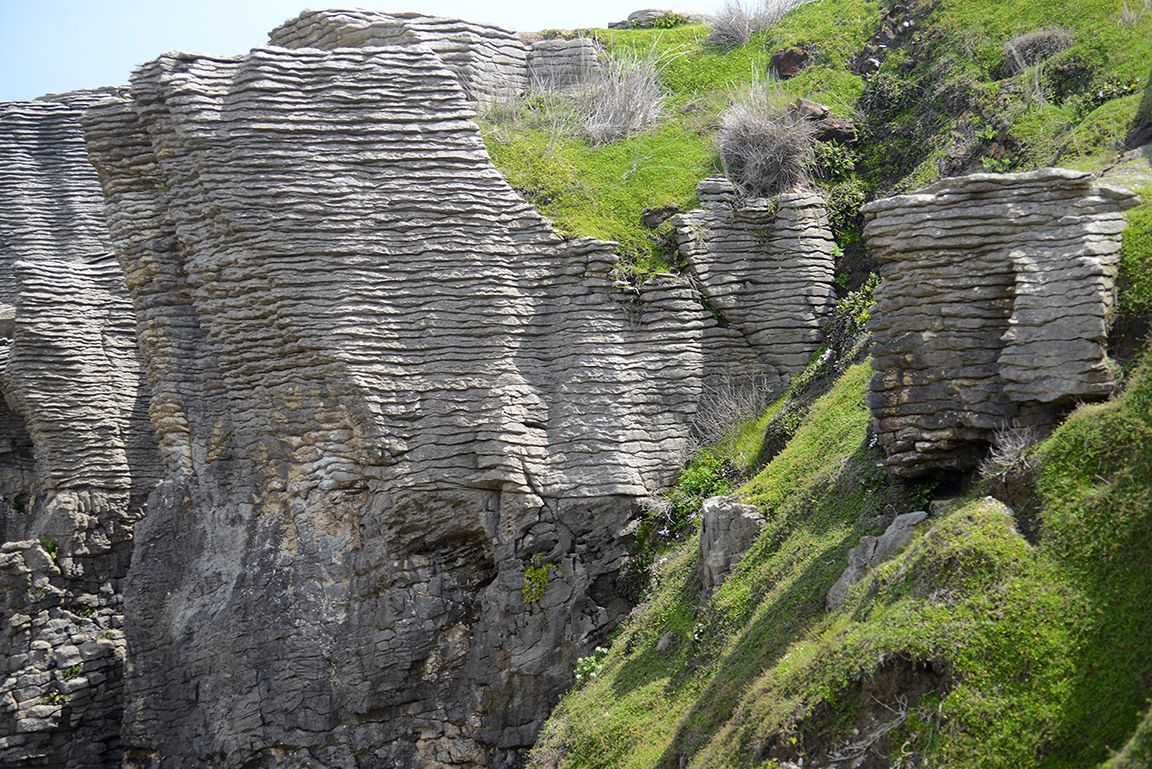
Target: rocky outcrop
(490,61)
(80,457)
(871,552)
(405,425)
(994,305)
(727,530)
(563,65)
(764,266)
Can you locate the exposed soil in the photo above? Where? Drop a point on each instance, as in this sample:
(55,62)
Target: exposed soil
(864,732)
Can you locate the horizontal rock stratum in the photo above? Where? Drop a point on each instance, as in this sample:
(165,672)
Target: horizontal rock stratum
(388,398)
(993,310)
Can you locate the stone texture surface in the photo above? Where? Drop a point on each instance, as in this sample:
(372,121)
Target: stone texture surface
(765,266)
(491,62)
(78,454)
(872,551)
(727,530)
(563,65)
(383,388)
(993,308)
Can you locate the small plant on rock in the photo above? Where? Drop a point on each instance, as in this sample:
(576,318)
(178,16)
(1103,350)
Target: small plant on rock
(536,579)
(588,667)
(50,547)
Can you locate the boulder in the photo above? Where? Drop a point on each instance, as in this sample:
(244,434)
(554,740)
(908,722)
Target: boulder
(787,63)
(727,530)
(870,552)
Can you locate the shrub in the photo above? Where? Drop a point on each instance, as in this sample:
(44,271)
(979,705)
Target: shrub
(736,23)
(624,98)
(1010,445)
(1033,47)
(764,148)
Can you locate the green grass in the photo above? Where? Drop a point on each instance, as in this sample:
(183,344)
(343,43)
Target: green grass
(925,106)
(1047,644)
(1134,282)
(645,708)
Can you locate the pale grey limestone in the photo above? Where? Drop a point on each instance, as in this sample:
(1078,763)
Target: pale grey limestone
(871,552)
(765,266)
(727,529)
(491,62)
(77,454)
(994,306)
(382,387)
(563,65)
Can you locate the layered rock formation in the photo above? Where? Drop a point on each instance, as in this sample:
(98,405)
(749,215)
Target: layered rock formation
(563,65)
(80,454)
(764,266)
(490,61)
(993,310)
(388,398)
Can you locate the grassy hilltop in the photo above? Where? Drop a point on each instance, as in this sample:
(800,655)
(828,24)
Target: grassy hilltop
(997,638)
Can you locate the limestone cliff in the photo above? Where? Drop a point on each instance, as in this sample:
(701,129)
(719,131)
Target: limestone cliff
(993,310)
(79,454)
(391,402)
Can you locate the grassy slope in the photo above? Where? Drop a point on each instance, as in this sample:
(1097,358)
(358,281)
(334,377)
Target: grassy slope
(1046,643)
(934,108)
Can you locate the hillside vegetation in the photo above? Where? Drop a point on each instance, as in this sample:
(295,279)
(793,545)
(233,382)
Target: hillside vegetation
(962,86)
(1013,630)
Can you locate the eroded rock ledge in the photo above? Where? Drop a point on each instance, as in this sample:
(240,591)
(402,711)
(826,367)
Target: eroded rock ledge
(993,310)
(383,389)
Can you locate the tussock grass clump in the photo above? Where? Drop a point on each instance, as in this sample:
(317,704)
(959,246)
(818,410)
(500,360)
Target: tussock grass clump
(624,98)
(736,22)
(1009,446)
(765,148)
(1034,47)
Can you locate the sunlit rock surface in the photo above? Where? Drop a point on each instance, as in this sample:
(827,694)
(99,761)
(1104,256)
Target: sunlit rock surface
(383,387)
(993,310)
(78,456)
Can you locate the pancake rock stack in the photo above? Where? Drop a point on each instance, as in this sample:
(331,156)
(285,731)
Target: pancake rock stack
(563,65)
(491,62)
(80,457)
(406,428)
(765,266)
(993,310)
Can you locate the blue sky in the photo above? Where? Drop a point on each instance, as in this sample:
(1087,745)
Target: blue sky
(49,46)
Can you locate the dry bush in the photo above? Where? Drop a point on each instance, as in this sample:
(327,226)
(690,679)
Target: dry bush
(726,403)
(1009,446)
(1130,15)
(1034,47)
(736,23)
(624,98)
(765,148)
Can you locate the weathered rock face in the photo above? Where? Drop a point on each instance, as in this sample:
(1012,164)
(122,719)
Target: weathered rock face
(80,454)
(563,65)
(871,552)
(727,530)
(993,308)
(386,395)
(765,266)
(491,62)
